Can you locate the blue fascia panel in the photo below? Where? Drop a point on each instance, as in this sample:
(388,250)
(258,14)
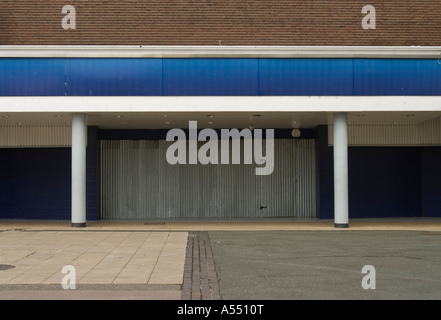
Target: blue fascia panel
(397,77)
(210,77)
(32,77)
(305,77)
(114,77)
(222,77)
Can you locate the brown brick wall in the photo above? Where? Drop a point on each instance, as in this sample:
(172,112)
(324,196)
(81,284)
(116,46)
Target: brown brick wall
(233,22)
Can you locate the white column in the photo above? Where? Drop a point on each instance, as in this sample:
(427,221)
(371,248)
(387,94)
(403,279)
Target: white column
(341,199)
(79,142)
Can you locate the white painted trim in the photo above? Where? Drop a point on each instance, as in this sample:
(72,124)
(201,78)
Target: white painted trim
(220,51)
(97,104)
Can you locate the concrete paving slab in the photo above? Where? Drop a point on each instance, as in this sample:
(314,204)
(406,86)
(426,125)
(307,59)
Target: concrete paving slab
(91,292)
(106,257)
(90,295)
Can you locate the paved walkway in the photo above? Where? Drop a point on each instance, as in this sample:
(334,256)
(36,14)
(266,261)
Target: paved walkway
(134,260)
(34,259)
(402,224)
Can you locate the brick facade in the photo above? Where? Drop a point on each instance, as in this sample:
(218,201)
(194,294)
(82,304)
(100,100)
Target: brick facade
(226,22)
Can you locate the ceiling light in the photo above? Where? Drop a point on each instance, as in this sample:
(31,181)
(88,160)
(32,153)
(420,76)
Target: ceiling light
(295,133)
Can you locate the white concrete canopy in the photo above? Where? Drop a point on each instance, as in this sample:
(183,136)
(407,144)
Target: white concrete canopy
(97,104)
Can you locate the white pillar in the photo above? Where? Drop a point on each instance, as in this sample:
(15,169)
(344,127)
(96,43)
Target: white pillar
(341,199)
(79,143)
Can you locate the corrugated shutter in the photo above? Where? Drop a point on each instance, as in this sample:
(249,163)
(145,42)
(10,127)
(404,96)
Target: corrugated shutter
(138,183)
(36,136)
(427,133)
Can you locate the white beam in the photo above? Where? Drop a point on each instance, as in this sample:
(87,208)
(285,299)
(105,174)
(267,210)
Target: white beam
(97,104)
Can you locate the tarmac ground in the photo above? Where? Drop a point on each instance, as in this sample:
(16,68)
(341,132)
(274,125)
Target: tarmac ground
(229,260)
(322,265)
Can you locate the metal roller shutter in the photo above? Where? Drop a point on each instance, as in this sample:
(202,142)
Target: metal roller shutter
(137,183)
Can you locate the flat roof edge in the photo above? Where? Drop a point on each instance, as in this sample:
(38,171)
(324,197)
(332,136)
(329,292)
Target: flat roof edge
(67,51)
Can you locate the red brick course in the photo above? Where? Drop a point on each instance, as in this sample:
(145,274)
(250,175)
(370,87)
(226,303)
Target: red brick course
(200,279)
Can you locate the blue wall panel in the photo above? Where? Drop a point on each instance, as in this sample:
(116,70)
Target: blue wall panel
(114,77)
(35,183)
(431,181)
(217,77)
(305,77)
(325,170)
(32,77)
(384,182)
(92,177)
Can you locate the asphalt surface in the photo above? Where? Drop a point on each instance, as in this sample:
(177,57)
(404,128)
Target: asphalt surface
(327,265)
